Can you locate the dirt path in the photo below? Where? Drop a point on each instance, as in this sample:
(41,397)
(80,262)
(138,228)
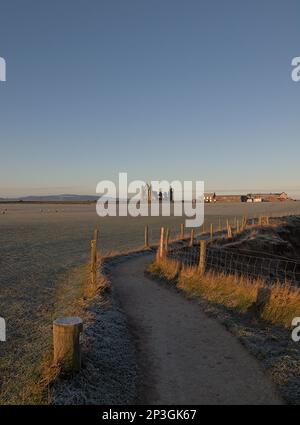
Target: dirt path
(184,357)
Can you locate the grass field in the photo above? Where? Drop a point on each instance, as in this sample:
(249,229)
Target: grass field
(40,245)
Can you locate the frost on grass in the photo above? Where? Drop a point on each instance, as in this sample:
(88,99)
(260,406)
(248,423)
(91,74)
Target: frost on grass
(108,374)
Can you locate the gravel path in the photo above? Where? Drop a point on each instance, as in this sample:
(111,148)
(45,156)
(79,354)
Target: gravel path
(184,357)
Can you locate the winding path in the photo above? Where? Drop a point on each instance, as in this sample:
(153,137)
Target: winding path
(184,357)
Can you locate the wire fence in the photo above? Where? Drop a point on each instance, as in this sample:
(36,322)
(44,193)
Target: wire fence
(227,261)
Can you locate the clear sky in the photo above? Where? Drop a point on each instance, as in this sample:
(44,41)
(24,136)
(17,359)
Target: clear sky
(162,89)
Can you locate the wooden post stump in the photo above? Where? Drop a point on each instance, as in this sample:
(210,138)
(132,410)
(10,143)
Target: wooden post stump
(66,343)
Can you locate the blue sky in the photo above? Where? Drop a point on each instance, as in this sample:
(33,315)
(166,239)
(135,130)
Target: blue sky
(162,89)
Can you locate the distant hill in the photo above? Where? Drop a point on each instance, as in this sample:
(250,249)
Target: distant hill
(61,198)
(53,198)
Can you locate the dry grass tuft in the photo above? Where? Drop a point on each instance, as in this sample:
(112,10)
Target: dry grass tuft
(284,305)
(230,290)
(89,289)
(165,269)
(233,291)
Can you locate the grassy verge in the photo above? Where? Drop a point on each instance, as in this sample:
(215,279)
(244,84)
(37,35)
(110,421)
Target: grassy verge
(84,294)
(30,376)
(108,374)
(232,291)
(33,369)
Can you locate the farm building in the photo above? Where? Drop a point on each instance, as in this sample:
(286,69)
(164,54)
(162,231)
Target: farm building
(228,198)
(209,197)
(266,197)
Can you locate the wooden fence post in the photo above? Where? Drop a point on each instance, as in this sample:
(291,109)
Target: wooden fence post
(192,237)
(167,239)
(229,232)
(263,220)
(237,227)
(66,343)
(96,234)
(161,244)
(262,299)
(182,231)
(211,232)
(146,236)
(94,261)
(244,224)
(202,257)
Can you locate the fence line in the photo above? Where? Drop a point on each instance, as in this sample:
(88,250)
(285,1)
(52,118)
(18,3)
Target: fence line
(250,264)
(227,261)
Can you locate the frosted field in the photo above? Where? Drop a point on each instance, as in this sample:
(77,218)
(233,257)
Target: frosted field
(38,251)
